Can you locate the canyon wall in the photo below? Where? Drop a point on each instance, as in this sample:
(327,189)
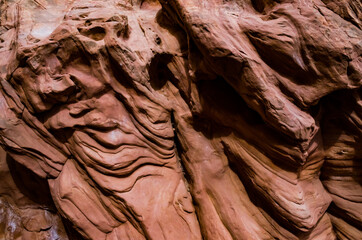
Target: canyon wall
(181,119)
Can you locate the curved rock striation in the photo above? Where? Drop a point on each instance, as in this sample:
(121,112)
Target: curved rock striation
(186,119)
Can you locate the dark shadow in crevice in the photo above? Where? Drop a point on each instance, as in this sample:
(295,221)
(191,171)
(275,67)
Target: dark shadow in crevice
(37,190)
(71,232)
(340,213)
(342,114)
(30,184)
(222,105)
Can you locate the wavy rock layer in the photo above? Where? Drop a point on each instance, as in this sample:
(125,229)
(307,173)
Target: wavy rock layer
(182,119)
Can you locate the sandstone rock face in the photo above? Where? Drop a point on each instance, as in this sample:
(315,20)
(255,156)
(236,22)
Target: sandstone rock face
(181,119)
(26,207)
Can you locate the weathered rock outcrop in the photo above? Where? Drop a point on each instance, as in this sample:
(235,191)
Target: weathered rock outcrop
(26,208)
(185,119)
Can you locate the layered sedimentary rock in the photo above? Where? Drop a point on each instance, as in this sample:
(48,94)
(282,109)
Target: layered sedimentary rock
(186,119)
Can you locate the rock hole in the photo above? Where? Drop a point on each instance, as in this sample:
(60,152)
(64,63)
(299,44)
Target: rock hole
(88,23)
(96,33)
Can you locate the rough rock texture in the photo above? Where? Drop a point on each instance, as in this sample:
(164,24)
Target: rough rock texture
(26,208)
(183,119)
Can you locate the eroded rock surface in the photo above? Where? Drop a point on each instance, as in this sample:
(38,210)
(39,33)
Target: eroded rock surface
(186,119)
(26,207)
